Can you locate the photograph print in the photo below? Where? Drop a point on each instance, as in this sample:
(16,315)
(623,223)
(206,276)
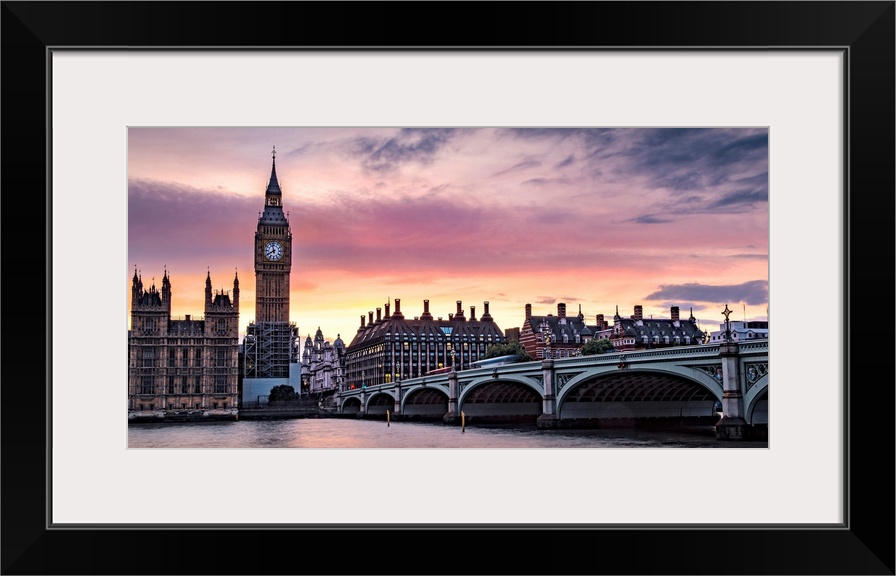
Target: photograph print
(394,287)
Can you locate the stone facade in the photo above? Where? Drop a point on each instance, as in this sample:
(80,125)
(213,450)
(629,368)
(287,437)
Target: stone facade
(568,333)
(638,333)
(181,368)
(323,364)
(392,347)
(740,331)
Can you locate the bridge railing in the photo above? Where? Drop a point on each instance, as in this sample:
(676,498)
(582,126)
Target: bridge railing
(755,345)
(614,357)
(611,359)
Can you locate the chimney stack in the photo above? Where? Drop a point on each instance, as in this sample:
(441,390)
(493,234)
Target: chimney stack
(639,313)
(528,311)
(426,314)
(378,317)
(485,314)
(459,315)
(561,310)
(398,315)
(362,320)
(675,313)
(387,309)
(370,316)
(472,313)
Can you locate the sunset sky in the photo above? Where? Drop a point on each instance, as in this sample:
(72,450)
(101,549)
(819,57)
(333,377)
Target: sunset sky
(595,218)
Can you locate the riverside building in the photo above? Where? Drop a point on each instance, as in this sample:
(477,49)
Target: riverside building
(568,333)
(323,364)
(637,332)
(182,368)
(390,347)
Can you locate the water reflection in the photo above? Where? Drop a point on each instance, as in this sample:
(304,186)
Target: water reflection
(351,433)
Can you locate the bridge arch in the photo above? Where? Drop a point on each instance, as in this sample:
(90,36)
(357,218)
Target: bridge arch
(425,402)
(565,384)
(756,402)
(351,405)
(379,402)
(636,392)
(509,396)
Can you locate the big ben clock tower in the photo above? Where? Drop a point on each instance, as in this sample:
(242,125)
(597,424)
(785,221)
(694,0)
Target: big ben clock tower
(270,344)
(273,255)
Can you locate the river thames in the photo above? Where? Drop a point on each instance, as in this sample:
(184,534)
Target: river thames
(351,433)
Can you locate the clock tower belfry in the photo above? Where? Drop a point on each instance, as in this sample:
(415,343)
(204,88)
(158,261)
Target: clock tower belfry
(273,255)
(270,346)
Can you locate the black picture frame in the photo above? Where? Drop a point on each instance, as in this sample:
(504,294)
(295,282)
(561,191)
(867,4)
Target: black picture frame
(864,544)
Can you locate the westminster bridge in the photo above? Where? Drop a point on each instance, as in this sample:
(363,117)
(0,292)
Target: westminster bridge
(663,386)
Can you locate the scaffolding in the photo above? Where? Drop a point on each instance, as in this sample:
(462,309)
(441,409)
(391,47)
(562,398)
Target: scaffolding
(270,347)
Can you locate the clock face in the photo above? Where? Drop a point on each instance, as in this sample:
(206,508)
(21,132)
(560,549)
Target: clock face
(273,251)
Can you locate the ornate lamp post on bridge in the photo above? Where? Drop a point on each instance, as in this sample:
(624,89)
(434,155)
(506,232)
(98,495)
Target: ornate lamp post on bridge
(732,425)
(548,418)
(726,312)
(451,416)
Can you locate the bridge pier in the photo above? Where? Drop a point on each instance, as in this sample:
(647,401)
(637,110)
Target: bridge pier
(363,411)
(451,416)
(732,425)
(548,418)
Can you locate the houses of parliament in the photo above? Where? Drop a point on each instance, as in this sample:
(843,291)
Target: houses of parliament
(197,368)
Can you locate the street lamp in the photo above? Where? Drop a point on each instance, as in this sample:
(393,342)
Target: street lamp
(726,312)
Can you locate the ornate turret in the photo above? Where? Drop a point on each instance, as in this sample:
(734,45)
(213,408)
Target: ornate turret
(146,299)
(236,292)
(318,339)
(166,292)
(136,286)
(208,289)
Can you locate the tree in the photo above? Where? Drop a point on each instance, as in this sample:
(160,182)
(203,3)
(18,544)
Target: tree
(282,392)
(597,346)
(513,348)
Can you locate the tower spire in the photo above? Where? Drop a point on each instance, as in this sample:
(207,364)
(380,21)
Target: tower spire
(273,184)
